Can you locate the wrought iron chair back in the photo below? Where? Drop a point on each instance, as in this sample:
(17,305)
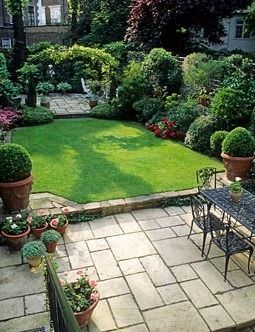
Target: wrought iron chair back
(206,178)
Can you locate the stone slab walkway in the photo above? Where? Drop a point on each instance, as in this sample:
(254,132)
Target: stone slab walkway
(69,105)
(150,277)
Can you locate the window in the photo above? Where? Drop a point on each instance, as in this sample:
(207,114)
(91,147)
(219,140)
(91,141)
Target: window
(6,43)
(30,16)
(55,14)
(240,29)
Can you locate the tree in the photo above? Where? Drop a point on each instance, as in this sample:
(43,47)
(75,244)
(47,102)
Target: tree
(14,8)
(173,24)
(74,11)
(250,20)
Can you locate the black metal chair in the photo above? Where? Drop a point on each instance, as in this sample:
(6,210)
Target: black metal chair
(204,220)
(230,242)
(206,178)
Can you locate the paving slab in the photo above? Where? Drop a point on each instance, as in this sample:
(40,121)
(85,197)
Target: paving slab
(102,319)
(79,255)
(127,223)
(9,258)
(78,232)
(25,323)
(172,293)
(180,317)
(103,227)
(131,266)
(169,221)
(11,308)
(146,214)
(125,310)
(217,318)
(160,234)
(238,278)
(145,293)
(105,264)
(177,251)
(182,230)
(98,244)
(183,273)
(35,303)
(174,210)
(130,246)
(136,328)
(112,287)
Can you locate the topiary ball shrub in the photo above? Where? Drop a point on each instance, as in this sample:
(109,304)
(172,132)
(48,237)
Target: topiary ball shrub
(239,143)
(216,140)
(32,116)
(104,111)
(146,108)
(199,133)
(15,163)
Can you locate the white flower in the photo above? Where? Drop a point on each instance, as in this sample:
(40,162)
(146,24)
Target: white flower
(18,216)
(9,219)
(13,226)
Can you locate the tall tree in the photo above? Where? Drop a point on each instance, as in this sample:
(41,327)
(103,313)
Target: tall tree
(15,8)
(74,6)
(173,24)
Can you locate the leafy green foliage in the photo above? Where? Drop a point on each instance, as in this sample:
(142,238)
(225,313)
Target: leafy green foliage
(38,221)
(3,67)
(14,6)
(199,133)
(15,162)
(236,187)
(162,72)
(32,116)
(146,108)
(7,88)
(216,140)
(50,236)
(33,249)
(44,88)
(229,106)
(14,225)
(239,143)
(104,111)
(64,87)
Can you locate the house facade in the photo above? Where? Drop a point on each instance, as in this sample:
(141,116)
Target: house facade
(43,20)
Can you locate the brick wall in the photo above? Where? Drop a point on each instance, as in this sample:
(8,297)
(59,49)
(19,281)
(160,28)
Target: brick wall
(53,33)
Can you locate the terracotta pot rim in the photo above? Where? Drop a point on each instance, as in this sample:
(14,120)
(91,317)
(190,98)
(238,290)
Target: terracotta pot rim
(89,308)
(17,235)
(226,156)
(16,183)
(40,228)
(58,226)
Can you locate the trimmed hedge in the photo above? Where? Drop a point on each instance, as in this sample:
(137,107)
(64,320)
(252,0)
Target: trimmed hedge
(36,116)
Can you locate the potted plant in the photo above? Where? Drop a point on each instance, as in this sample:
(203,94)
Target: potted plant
(50,239)
(83,298)
(59,224)
(64,87)
(33,252)
(238,153)
(38,225)
(15,230)
(236,191)
(95,91)
(44,88)
(15,176)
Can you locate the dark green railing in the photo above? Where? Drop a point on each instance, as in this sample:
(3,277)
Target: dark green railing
(62,317)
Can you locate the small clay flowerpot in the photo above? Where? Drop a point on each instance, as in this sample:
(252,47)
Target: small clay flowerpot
(83,317)
(38,231)
(61,229)
(34,261)
(16,242)
(93,103)
(236,197)
(51,247)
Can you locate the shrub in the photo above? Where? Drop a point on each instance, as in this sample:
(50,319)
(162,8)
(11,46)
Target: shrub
(239,143)
(32,116)
(3,67)
(199,133)
(50,236)
(33,249)
(162,72)
(229,105)
(146,108)
(64,87)
(183,113)
(165,129)
(216,140)
(44,88)
(15,163)
(9,117)
(104,111)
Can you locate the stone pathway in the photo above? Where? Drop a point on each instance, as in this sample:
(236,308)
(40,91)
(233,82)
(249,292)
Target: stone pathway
(150,277)
(69,105)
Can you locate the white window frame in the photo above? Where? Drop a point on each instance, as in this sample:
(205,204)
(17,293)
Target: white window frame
(7,45)
(53,11)
(240,24)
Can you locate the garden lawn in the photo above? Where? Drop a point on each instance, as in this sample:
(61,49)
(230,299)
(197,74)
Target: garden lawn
(92,160)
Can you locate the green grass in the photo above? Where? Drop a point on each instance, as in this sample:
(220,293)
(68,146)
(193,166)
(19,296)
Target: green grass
(92,160)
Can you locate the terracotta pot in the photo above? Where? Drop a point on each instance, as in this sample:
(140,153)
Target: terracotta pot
(15,242)
(61,229)
(15,195)
(93,103)
(236,166)
(34,261)
(38,231)
(236,196)
(51,247)
(83,317)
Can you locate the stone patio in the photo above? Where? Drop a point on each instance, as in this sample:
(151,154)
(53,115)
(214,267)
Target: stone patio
(150,277)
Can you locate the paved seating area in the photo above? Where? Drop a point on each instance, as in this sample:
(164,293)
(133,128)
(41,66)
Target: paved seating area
(69,105)
(150,277)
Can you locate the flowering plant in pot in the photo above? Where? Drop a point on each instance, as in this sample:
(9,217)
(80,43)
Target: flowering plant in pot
(38,224)
(50,239)
(15,176)
(238,153)
(15,230)
(82,296)
(34,252)
(59,223)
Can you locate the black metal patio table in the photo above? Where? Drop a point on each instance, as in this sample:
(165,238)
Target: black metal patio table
(243,211)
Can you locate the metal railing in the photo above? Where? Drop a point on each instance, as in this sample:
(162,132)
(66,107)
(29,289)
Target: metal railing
(61,314)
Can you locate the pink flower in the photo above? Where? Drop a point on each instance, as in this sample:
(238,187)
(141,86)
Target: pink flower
(66,209)
(94,297)
(54,222)
(62,282)
(29,219)
(92,283)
